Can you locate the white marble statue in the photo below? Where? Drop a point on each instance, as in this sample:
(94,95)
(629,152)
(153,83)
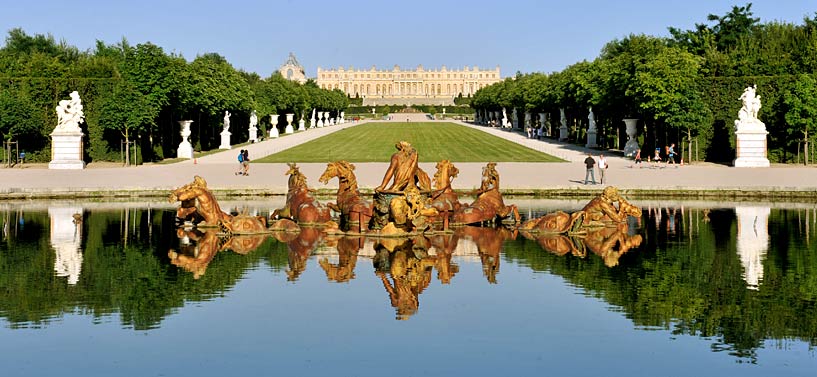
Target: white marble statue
(226,120)
(253,130)
(225,133)
(751,104)
(504,118)
(563,135)
(69,113)
(591,130)
(591,120)
(750,132)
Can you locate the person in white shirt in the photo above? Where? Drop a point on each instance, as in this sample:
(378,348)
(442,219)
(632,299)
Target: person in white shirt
(602,168)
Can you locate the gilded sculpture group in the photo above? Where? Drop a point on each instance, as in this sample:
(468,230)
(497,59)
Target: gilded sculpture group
(417,224)
(404,203)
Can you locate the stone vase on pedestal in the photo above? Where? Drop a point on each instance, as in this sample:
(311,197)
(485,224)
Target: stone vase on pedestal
(273,132)
(66,150)
(185,149)
(320,119)
(342,117)
(302,125)
(289,129)
(632,147)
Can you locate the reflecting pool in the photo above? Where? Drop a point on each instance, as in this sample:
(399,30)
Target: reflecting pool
(690,288)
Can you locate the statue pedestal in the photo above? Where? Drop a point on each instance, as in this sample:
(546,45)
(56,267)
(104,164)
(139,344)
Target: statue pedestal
(185,150)
(253,135)
(563,133)
(591,138)
(289,129)
(751,145)
(66,150)
(273,133)
(301,124)
(313,123)
(225,140)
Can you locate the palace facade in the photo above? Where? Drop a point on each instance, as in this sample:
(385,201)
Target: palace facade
(417,85)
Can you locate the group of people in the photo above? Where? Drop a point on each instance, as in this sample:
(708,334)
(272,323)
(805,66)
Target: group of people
(590,163)
(534,132)
(670,154)
(243,162)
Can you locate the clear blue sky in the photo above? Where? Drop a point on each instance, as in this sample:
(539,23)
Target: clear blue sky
(257,35)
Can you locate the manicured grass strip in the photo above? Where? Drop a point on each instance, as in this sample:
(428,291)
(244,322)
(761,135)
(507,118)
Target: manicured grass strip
(374,142)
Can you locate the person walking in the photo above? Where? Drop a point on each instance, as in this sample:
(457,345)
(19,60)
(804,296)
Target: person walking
(638,159)
(590,163)
(602,168)
(245,163)
(240,163)
(671,155)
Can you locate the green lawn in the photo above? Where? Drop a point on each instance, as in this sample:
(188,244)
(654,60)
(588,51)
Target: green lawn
(374,142)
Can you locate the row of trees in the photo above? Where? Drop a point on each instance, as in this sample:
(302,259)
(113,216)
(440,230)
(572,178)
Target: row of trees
(685,86)
(137,93)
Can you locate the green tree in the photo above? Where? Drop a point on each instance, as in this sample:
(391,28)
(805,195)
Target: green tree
(127,111)
(801,105)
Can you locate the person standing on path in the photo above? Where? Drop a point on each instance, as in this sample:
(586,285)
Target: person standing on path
(590,163)
(602,168)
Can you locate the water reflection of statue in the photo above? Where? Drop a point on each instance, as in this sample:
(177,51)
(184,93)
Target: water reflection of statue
(602,241)
(410,267)
(69,113)
(226,121)
(404,170)
(195,256)
(344,270)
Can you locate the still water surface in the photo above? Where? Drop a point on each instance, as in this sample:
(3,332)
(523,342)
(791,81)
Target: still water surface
(704,289)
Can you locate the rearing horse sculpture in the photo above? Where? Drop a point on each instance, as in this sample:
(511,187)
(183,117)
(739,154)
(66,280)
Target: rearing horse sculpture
(443,197)
(301,206)
(355,212)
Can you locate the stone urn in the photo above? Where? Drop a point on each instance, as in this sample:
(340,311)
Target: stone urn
(289,129)
(273,132)
(320,119)
(632,147)
(185,149)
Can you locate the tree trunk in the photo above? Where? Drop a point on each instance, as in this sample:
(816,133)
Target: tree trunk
(805,146)
(127,149)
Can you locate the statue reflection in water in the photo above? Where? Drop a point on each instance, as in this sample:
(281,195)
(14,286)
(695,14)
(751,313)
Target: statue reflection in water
(408,263)
(489,245)
(299,245)
(197,249)
(348,248)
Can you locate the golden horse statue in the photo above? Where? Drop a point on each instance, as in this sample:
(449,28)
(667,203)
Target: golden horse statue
(355,212)
(443,197)
(199,202)
(301,206)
